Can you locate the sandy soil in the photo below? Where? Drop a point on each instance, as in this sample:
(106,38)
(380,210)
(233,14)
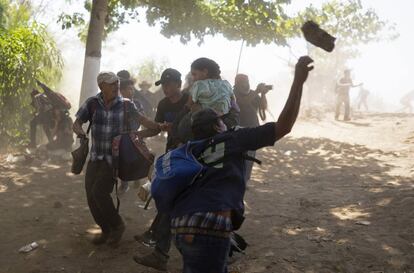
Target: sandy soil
(332,197)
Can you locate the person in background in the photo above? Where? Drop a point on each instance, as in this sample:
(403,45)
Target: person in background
(137,97)
(406,102)
(363,98)
(105,111)
(150,97)
(43,115)
(61,131)
(250,102)
(343,87)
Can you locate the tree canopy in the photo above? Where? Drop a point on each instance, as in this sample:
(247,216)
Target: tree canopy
(255,21)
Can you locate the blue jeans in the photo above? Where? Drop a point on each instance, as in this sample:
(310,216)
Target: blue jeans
(203,254)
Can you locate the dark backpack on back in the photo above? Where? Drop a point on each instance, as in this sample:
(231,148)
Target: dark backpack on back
(56,99)
(178,169)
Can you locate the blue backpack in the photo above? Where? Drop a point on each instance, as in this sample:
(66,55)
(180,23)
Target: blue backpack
(174,172)
(178,169)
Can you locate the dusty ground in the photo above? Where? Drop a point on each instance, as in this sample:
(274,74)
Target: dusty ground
(303,207)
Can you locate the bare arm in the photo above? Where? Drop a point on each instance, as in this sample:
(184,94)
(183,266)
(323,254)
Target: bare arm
(339,84)
(290,111)
(263,101)
(148,123)
(149,133)
(77,128)
(261,91)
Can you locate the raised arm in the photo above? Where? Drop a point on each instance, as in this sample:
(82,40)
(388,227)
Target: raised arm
(290,111)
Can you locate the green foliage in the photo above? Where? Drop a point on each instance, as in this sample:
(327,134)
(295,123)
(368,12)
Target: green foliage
(119,12)
(27,53)
(259,21)
(255,21)
(149,70)
(3,5)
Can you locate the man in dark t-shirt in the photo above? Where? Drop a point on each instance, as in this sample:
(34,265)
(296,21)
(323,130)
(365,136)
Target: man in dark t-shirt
(167,111)
(206,213)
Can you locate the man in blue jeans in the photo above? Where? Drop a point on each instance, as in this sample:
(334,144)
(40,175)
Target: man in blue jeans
(204,215)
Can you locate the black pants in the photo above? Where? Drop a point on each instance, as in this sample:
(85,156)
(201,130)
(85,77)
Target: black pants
(40,119)
(161,228)
(99,184)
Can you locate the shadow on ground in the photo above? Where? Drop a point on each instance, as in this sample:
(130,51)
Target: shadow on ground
(317,205)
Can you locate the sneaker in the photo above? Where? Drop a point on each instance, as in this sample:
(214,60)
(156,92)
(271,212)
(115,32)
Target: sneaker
(116,235)
(100,239)
(146,239)
(154,260)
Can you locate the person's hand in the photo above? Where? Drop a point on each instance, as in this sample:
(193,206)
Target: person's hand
(302,68)
(260,88)
(263,88)
(165,127)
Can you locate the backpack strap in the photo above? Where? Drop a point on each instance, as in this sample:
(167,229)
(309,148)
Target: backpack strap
(125,127)
(212,142)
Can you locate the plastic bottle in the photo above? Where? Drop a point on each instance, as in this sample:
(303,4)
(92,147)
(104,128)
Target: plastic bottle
(29,247)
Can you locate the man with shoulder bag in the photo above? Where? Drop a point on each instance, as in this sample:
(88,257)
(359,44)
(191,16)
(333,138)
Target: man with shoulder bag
(106,114)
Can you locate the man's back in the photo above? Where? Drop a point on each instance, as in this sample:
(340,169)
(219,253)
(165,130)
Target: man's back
(223,185)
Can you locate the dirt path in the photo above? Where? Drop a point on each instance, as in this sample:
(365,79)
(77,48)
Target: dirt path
(333,197)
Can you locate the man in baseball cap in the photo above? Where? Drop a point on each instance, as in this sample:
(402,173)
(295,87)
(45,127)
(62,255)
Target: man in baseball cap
(105,112)
(107,77)
(169,75)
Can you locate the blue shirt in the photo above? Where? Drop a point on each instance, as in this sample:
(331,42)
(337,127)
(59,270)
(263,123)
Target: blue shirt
(223,186)
(107,123)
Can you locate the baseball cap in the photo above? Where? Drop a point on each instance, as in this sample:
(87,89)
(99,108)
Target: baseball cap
(124,74)
(107,77)
(169,75)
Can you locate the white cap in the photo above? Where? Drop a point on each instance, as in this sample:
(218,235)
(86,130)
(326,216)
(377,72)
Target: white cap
(107,77)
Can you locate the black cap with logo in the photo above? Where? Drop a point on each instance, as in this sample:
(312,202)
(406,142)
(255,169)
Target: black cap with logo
(169,75)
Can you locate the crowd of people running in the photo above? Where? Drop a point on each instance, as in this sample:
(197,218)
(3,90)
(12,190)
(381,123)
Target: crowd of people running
(202,220)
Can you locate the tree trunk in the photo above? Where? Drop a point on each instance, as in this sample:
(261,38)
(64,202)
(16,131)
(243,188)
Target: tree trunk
(92,62)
